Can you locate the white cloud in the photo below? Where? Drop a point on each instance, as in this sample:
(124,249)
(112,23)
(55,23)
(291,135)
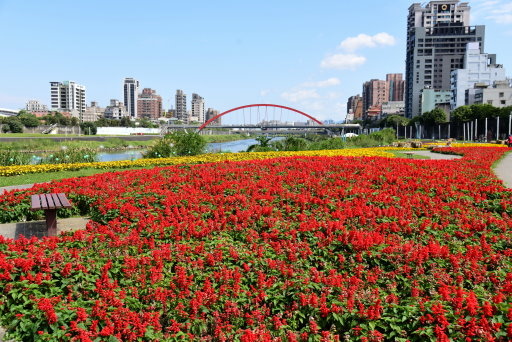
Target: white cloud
(343,61)
(333,81)
(264,92)
(314,106)
(300,95)
(498,11)
(501,18)
(333,95)
(352,44)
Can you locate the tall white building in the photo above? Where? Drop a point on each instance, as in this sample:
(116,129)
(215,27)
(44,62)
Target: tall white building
(198,109)
(479,68)
(68,96)
(131,94)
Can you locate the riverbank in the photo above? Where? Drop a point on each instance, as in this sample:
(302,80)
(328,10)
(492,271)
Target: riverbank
(44,143)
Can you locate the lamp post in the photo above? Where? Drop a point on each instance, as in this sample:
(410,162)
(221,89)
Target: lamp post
(509,123)
(497,128)
(485,130)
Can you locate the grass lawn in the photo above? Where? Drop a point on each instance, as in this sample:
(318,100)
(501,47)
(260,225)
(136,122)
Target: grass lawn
(46,177)
(399,154)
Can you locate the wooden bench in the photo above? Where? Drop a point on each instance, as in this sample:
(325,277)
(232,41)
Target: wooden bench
(409,154)
(50,203)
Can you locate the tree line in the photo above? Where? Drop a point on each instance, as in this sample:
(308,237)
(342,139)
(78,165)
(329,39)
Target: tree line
(15,124)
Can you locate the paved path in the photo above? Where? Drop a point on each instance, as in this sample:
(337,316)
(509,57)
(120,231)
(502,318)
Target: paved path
(503,170)
(38,228)
(12,187)
(437,156)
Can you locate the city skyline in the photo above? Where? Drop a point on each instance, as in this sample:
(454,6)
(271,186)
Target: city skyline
(307,56)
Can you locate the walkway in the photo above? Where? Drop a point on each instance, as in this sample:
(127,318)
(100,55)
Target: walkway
(28,229)
(503,170)
(436,156)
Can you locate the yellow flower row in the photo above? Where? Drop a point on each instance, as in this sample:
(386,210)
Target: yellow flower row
(204,158)
(444,144)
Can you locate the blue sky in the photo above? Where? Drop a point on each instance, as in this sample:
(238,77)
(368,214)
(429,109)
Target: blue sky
(309,55)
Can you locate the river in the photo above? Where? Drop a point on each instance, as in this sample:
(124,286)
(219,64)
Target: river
(229,146)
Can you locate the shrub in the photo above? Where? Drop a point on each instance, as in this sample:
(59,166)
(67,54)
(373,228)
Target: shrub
(8,158)
(88,128)
(180,143)
(328,144)
(291,144)
(13,125)
(71,155)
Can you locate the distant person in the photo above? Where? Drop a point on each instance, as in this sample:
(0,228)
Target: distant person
(509,141)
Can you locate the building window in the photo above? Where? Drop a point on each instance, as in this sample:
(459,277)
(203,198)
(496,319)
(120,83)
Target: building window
(489,102)
(502,94)
(503,102)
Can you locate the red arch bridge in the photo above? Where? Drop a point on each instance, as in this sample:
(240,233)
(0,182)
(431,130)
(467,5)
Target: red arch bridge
(267,117)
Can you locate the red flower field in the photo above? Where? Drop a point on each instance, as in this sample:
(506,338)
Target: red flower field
(289,249)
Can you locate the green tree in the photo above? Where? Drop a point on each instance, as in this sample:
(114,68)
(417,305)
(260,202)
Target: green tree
(126,122)
(482,111)
(505,111)
(146,123)
(394,120)
(461,114)
(180,143)
(88,128)
(57,118)
(28,119)
(435,116)
(12,124)
(290,144)
(262,145)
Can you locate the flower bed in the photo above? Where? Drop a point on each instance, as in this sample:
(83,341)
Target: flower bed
(204,158)
(286,249)
(455,144)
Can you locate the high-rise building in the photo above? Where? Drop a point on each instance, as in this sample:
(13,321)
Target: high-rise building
(149,104)
(198,109)
(396,86)
(437,36)
(131,94)
(479,68)
(181,106)
(68,96)
(375,93)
